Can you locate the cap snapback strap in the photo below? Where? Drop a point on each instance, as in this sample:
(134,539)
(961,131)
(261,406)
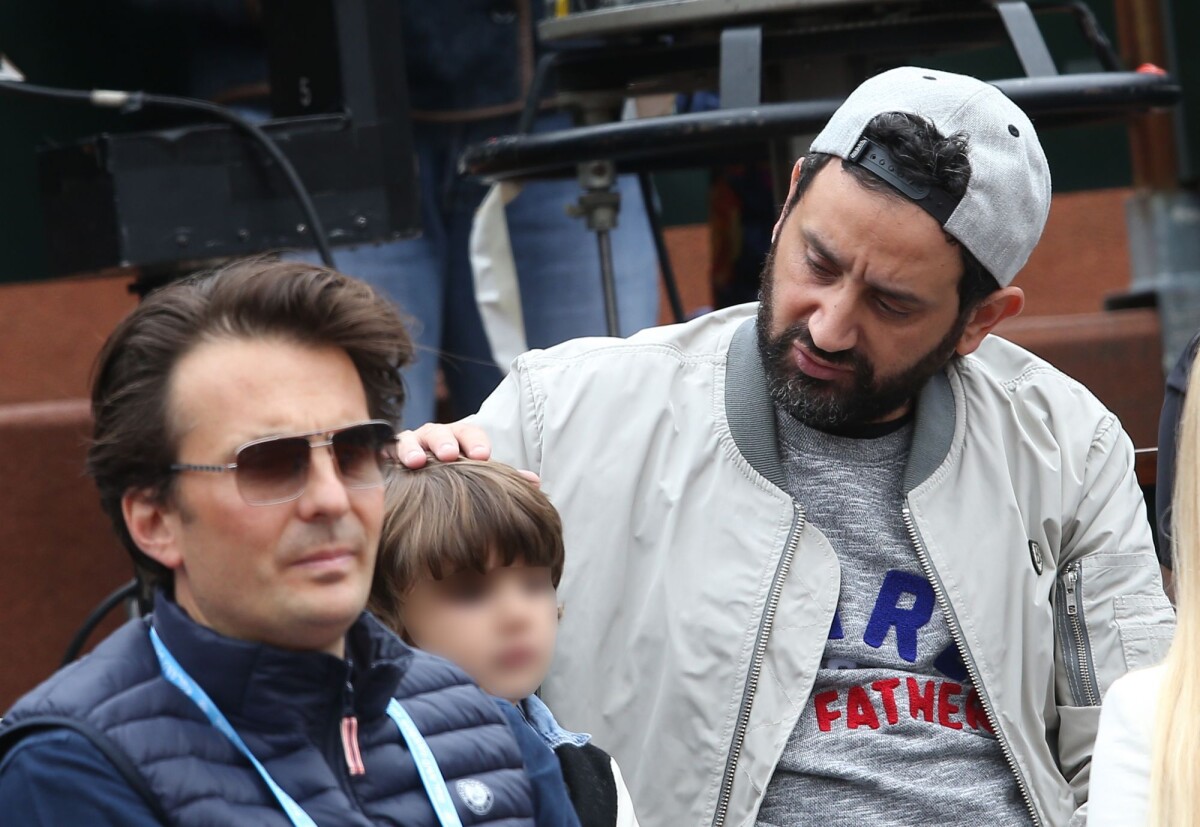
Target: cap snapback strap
(878,161)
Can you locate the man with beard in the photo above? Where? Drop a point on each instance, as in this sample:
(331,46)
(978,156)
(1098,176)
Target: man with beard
(844,558)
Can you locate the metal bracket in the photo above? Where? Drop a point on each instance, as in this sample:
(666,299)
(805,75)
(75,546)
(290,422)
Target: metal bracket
(1026,38)
(741,67)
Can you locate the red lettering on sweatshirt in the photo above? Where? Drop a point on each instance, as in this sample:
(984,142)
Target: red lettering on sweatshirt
(938,702)
(887,693)
(945,708)
(920,701)
(825,715)
(859,711)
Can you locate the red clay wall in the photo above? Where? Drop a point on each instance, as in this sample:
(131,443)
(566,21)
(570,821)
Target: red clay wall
(60,556)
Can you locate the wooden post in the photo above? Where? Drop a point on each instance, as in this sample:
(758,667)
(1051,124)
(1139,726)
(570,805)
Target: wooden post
(1141,36)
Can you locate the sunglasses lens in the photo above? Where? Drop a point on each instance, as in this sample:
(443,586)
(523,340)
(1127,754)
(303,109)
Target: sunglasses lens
(365,454)
(273,470)
(276,470)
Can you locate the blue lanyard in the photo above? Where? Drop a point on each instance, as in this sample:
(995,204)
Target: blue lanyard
(427,767)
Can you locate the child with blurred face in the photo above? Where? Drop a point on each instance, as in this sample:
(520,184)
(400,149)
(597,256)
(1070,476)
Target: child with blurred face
(469,562)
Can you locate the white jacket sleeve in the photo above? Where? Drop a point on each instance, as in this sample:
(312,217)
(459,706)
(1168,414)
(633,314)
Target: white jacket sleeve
(1120,783)
(511,419)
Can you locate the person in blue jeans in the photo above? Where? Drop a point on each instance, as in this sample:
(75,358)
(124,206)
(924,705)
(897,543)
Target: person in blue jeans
(469,65)
(556,260)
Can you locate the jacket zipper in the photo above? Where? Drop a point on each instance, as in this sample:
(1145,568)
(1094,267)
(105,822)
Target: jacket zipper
(752,677)
(1072,606)
(350,750)
(337,748)
(968,661)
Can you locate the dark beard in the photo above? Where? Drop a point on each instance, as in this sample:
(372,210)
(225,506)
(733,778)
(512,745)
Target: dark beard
(820,403)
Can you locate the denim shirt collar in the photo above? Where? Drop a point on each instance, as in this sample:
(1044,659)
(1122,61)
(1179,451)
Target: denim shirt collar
(542,720)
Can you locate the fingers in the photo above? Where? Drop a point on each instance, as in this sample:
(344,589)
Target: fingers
(472,440)
(531,476)
(446,442)
(408,450)
(432,438)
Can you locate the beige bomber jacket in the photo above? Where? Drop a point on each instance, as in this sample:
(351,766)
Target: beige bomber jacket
(697,601)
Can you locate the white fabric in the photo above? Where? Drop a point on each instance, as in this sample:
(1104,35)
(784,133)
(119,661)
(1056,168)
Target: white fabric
(497,292)
(1121,761)
(8,71)
(626,817)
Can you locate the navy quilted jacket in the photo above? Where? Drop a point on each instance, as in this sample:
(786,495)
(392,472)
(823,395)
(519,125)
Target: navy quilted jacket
(288,707)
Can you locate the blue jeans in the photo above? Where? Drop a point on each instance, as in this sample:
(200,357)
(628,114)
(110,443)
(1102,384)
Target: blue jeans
(556,258)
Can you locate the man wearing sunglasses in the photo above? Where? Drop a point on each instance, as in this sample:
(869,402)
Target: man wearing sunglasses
(242,441)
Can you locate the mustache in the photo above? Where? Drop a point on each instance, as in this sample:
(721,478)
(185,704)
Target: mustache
(798,332)
(322,536)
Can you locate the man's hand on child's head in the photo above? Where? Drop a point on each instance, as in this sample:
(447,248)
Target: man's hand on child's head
(457,440)
(446,442)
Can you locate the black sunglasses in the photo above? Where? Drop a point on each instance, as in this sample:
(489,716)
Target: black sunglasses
(274,469)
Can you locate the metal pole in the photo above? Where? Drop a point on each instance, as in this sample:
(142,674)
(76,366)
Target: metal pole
(608,280)
(598,206)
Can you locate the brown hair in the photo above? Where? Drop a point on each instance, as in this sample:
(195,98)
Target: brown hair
(134,441)
(447,517)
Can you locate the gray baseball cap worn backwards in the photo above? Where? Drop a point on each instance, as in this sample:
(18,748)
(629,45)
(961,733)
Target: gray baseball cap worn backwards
(1001,215)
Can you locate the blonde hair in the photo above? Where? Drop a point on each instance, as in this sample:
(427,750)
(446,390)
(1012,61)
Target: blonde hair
(1175,756)
(447,517)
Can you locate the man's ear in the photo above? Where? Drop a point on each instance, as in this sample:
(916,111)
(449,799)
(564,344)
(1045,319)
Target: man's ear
(1002,304)
(788,200)
(154,527)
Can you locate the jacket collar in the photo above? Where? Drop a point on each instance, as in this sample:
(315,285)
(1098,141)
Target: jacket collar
(267,687)
(539,716)
(751,415)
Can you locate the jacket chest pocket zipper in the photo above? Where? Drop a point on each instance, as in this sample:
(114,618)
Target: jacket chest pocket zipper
(1073,637)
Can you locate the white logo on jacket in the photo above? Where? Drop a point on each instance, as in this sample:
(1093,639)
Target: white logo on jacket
(476,795)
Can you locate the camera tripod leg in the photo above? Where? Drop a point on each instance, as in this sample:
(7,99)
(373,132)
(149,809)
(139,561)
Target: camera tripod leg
(608,282)
(598,205)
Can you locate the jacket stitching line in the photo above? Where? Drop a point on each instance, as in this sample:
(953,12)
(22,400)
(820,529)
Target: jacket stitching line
(1015,383)
(537,399)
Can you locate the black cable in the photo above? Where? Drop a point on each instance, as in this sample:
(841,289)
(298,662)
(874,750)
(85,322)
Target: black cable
(1096,36)
(125,592)
(533,98)
(651,203)
(128,102)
